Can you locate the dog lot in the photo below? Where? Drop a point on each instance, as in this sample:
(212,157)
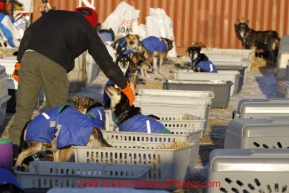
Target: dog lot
(260,83)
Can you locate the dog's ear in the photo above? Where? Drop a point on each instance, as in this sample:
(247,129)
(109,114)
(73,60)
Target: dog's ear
(247,22)
(137,36)
(238,21)
(75,98)
(127,35)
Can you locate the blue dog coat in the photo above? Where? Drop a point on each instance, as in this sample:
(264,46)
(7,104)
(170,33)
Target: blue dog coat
(40,128)
(127,51)
(97,117)
(75,127)
(152,44)
(138,124)
(207,66)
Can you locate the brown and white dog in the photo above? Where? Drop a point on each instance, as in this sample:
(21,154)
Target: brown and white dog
(154,49)
(59,128)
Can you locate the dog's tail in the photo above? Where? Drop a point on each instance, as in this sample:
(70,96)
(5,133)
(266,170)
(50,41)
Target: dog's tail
(23,144)
(99,137)
(275,43)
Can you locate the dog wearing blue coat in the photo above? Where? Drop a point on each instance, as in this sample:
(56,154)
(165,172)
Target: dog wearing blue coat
(129,118)
(200,62)
(61,127)
(155,49)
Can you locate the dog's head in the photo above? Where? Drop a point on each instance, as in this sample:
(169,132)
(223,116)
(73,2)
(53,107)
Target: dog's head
(198,44)
(83,104)
(242,27)
(117,98)
(123,61)
(132,41)
(168,42)
(194,52)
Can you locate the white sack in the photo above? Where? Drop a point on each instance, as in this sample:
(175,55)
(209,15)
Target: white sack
(159,24)
(123,20)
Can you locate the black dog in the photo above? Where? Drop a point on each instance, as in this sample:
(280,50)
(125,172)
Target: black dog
(200,62)
(129,118)
(259,39)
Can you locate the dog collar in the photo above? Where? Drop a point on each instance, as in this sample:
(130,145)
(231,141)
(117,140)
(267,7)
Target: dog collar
(244,38)
(196,61)
(118,119)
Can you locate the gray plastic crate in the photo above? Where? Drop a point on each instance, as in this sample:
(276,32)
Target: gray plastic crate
(282,90)
(260,108)
(191,137)
(240,69)
(287,72)
(168,105)
(171,109)
(206,96)
(283,58)
(257,133)
(220,88)
(248,170)
(229,64)
(4,97)
(44,174)
(174,122)
(167,164)
(150,137)
(233,76)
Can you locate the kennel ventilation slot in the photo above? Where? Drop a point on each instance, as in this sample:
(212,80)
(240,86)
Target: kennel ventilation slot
(248,170)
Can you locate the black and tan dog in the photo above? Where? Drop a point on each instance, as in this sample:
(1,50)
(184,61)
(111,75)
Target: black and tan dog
(199,61)
(154,49)
(252,39)
(61,127)
(129,118)
(129,62)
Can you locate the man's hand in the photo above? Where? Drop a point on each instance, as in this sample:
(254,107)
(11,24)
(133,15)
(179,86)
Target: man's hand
(15,73)
(129,93)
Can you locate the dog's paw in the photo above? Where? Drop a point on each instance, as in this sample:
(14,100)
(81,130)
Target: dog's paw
(20,168)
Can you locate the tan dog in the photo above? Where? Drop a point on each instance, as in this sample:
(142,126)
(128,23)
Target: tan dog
(132,42)
(154,49)
(83,103)
(52,125)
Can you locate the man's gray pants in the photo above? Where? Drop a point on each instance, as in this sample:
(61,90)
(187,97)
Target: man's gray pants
(37,71)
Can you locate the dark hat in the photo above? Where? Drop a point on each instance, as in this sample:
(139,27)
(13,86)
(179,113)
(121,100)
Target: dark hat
(89,14)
